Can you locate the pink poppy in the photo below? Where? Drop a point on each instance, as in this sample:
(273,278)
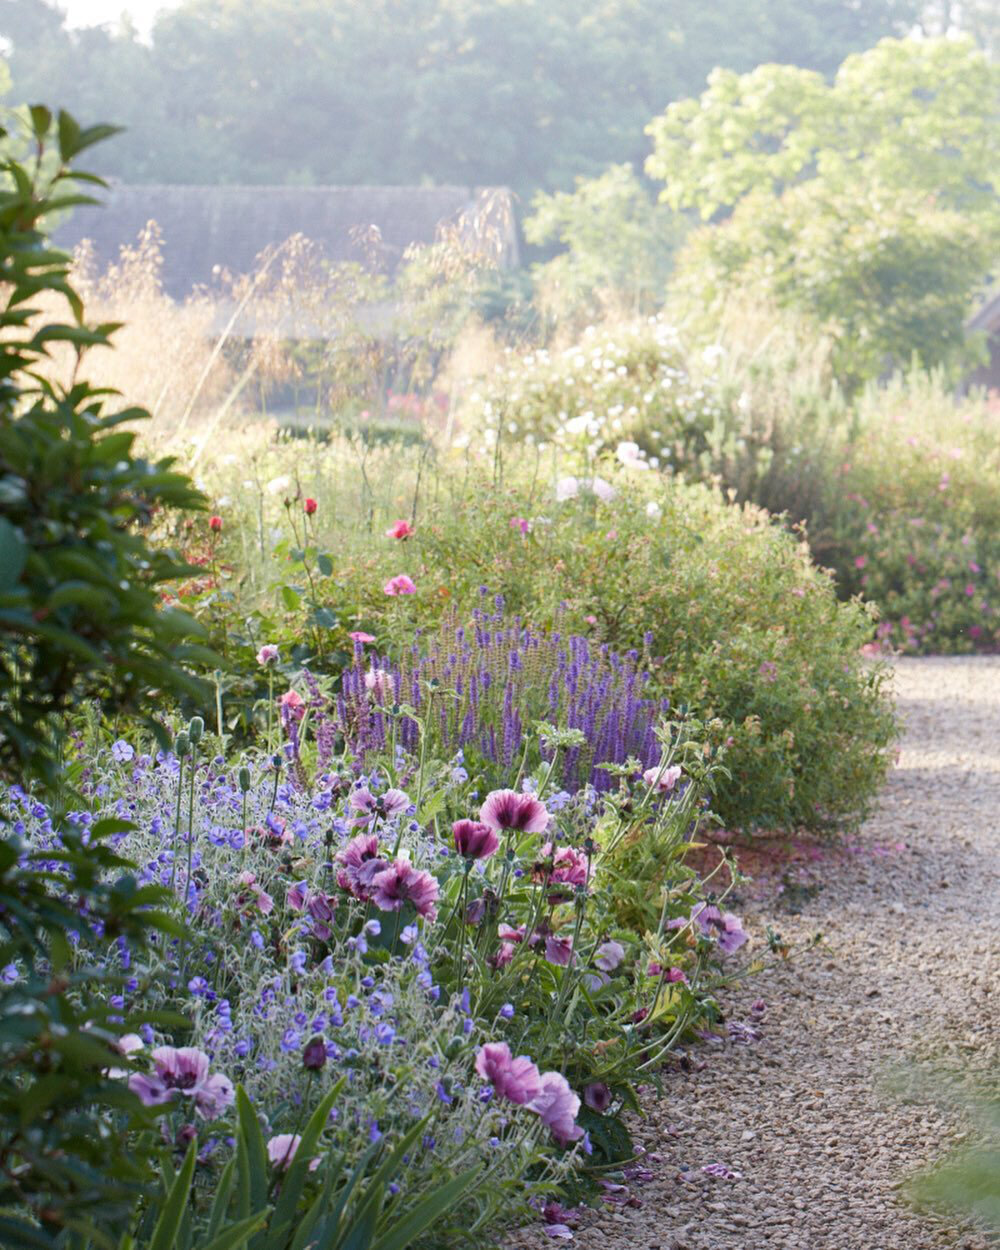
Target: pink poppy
(359,635)
(569,866)
(557,1106)
(281,1151)
(183,1074)
(726,928)
(473,840)
(508,809)
(379,684)
(371,807)
(263,901)
(664,779)
(292,705)
(609,955)
(268,654)
(558,950)
(509,939)
(517,1080)
(362,863)
(402,883)
(401,529)
(400,585)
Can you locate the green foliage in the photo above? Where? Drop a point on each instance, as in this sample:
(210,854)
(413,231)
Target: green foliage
(911,517)
(747,633)
(529,94)
(867,206)
(80,610)
(618,244)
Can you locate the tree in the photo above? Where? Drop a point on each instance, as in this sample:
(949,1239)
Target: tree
(525,93)
(619,245)
(869,205)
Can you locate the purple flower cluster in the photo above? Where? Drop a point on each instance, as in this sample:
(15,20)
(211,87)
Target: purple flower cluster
(483,687)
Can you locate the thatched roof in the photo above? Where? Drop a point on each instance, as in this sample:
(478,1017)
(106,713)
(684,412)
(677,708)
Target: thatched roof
(205,228)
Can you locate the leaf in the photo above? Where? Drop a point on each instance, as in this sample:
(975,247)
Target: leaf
(16,1234)
(41,120)
(13,555)
(359,1233)
(291,598)
(295,1177)
(324,564)
(220,1202)
(256,1152)
(237,1233)
(168,1225)
(426,1213)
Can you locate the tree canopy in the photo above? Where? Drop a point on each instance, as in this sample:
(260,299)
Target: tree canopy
(869,203)
(526,93)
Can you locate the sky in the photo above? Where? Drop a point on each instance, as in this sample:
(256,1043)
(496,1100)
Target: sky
(96,12)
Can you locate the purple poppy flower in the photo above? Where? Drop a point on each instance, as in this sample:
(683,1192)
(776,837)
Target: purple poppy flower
(597,1096)
(609,955)
(473,840)
(557,1106)
(508,810)
(517,1080)
(558,950)
(385,806)
(725,928)
(183,1073)
(401,883)
(362,863)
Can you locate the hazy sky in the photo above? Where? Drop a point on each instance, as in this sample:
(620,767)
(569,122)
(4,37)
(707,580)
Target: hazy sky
(94,12)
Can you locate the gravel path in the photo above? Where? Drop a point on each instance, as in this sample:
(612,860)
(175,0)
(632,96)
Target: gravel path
(911,920)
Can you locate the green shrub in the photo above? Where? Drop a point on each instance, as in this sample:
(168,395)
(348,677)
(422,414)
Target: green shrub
(741,627)
(80,609)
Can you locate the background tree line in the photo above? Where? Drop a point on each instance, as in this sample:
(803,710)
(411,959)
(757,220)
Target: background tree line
(525,93)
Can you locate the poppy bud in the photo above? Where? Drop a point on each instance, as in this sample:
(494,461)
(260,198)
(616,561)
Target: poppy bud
(244,779)
(182,744)
(314,1055)
(195,730)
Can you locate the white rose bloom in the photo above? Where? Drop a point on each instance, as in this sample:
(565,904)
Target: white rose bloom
(278,485)
(653,510)
(567,488)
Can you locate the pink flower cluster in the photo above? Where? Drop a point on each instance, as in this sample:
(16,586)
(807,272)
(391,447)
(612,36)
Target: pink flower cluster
(548,1094)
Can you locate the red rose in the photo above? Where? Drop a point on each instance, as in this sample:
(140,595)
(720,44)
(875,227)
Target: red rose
(215,524)
(310,506)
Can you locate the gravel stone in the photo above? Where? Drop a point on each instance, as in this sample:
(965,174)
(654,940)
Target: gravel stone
(825,1115)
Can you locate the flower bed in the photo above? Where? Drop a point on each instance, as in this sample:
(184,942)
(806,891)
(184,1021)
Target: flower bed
(464,969)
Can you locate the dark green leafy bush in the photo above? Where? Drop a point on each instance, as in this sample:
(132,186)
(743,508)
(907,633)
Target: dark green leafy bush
(80,611)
